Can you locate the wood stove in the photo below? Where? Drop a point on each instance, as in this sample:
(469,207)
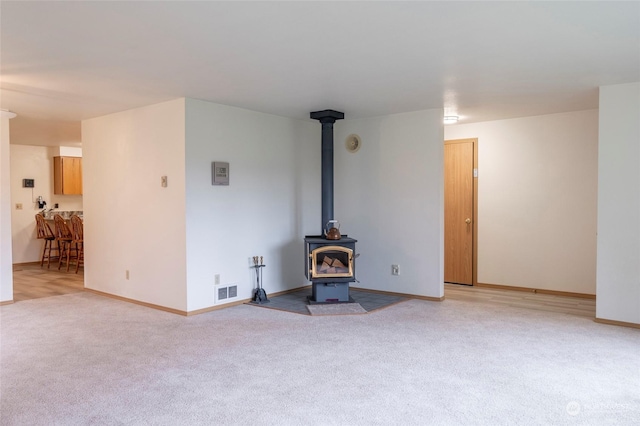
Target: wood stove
(329,264)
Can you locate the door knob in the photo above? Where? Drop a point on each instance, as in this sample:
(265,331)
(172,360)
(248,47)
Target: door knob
(467,221)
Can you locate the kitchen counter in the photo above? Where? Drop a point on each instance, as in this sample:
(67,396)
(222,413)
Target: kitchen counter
(66,214)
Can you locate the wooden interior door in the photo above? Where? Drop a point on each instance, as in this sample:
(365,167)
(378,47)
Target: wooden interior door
(459,211)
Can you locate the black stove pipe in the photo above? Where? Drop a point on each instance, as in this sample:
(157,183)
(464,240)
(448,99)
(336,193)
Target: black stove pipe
(327,117)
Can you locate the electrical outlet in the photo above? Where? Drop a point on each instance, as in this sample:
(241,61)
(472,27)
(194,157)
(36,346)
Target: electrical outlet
(395,269)
(126,274)
(163,181)
(18,206)
(217,279)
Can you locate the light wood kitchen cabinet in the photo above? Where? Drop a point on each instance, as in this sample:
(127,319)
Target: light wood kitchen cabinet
(67,175)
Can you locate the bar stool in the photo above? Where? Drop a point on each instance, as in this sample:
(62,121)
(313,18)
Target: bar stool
(77,232)
(43,232)
(64,238)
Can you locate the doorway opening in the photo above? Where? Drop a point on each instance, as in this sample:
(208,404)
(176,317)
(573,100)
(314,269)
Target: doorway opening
(53,189)
(460,211)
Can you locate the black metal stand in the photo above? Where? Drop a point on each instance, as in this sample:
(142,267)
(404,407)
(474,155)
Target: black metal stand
(259,296)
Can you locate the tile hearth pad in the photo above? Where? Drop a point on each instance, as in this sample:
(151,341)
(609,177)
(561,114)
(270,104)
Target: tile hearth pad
(297,301)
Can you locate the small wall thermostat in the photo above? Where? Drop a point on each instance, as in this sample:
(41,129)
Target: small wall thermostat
(220,172)
(28,183)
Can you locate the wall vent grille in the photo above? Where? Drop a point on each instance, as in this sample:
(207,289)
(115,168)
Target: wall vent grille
(225,293)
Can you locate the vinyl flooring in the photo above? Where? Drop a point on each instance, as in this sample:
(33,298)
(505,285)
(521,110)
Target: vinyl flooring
(522,299)
(30,281)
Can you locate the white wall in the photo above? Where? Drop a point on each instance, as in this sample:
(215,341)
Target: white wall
(389,196)
(131,222)
(34,162)
(6,270)
(537,187)
(618,275)
(28,162)
(272,201)
(174,241)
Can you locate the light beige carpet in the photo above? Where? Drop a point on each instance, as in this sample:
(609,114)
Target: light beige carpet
(83,359)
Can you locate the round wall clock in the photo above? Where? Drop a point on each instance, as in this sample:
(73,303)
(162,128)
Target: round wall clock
(353,142)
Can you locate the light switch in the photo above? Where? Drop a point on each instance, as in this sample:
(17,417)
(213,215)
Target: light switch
(163,181)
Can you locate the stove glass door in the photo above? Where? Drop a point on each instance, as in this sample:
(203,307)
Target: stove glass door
(332,261)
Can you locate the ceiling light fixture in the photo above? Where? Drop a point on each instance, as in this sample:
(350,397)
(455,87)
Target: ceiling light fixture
(4,113)
(450,119)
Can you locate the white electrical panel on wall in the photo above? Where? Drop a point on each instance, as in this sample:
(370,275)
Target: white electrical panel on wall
(220,173)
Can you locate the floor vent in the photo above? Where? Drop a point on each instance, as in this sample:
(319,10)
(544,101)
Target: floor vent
(225,293)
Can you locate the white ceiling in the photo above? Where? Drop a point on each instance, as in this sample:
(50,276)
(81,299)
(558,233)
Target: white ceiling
(63,62)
